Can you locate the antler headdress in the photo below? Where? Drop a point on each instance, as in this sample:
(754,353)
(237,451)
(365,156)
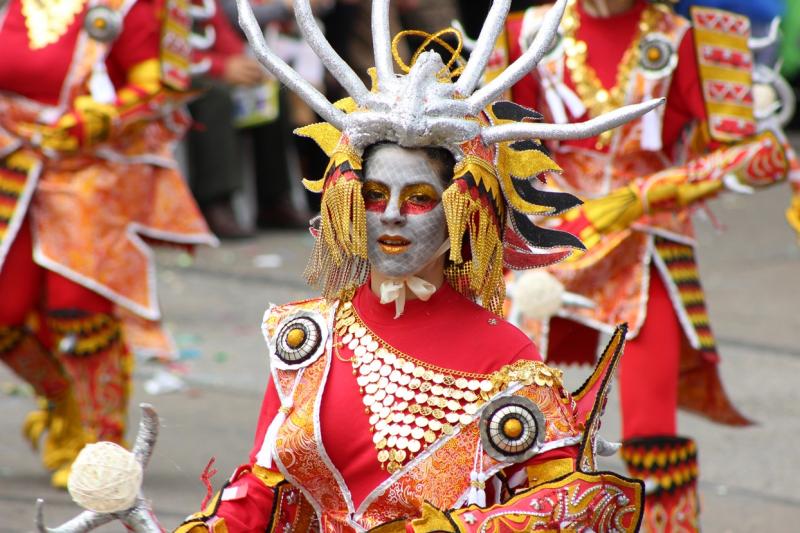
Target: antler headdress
(500,158)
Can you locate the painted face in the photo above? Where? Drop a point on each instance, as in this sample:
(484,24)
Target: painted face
(405,218)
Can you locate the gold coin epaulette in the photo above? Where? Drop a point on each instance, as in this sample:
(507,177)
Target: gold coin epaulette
(527,372)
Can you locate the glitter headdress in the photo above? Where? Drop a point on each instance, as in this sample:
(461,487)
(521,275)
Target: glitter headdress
(501,163)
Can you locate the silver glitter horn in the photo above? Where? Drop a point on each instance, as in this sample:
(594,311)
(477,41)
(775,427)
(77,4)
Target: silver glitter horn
(139,517)
(423,108)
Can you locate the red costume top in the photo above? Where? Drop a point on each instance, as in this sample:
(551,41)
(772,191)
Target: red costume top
(490,344)
(338,451)
(39,74)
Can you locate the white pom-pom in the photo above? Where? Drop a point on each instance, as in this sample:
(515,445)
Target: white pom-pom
(538,294)
(105,478)
(765,99)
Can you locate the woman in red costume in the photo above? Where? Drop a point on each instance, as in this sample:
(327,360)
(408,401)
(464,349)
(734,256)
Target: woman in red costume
(87,177)
(641,183)
(400,400)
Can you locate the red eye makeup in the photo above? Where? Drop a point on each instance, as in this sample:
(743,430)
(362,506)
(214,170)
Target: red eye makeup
(376,196)
(419,198)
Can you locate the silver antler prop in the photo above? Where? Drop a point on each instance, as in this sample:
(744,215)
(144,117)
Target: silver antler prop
(138,518)
(524,64)
(479,57)
(558,132)
(382,43)
(421,108)
(332,61)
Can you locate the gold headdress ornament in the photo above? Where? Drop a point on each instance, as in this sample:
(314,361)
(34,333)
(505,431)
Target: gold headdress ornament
(500,159)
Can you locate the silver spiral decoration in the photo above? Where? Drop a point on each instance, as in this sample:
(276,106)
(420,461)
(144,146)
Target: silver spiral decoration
(512,429)
(298,341)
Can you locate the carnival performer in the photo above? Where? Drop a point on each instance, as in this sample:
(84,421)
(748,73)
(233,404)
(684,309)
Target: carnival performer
(87,180)
(640,185)
(400,400)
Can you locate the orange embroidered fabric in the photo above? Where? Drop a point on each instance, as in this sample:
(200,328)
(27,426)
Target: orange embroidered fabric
(92,210)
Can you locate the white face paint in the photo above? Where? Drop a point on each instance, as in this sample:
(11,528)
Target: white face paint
(405,218)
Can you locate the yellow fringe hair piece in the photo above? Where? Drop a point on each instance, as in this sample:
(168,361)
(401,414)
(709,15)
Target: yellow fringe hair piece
(481,277)
(339,261)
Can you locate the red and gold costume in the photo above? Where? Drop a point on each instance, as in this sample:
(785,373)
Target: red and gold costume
(87,180)
(640,184)
(412,447)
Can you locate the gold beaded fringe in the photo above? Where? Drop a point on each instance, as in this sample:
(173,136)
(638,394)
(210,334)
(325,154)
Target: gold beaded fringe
(481,277)
(339,260)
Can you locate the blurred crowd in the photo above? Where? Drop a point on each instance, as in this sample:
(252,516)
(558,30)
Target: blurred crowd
(243,120)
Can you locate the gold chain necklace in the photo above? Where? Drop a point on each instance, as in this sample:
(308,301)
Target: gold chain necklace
(585,79)
(48,20)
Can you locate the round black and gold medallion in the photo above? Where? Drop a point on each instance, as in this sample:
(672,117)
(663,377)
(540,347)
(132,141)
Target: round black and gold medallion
(103,24)
(298,341)
(512,429)
(657,54)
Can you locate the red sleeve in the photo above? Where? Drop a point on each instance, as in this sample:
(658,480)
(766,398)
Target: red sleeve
(529,351)
(251,510)
(685,101)
(217,68)
(139,41)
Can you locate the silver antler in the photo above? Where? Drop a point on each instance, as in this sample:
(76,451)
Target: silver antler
(382,43)
(418,109)
(759,43)
(140,517)
(332,61)
(558,132)
(86,521)
(479,57)
(524,64)
(147,435)
(284,72)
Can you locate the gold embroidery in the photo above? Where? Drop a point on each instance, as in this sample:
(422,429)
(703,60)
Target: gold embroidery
(584,77)
(48,20)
